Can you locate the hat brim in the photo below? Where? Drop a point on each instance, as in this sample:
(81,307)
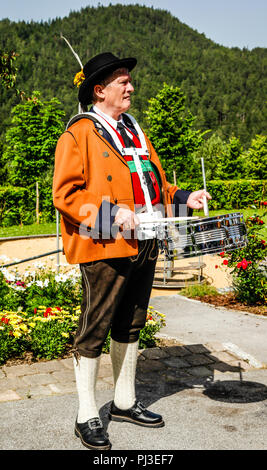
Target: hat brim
(85,90)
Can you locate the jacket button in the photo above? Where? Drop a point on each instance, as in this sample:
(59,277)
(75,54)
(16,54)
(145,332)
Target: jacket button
(109,178)
(105,154)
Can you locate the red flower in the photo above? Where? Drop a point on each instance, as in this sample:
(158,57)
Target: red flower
(263,242)
(216,266)
(244,264)
(35,311)
(5,320)
(59,309)
(48,310)
(239,265)
(265,203)
(222,254)
(45,314)
(225,261)
(261,222)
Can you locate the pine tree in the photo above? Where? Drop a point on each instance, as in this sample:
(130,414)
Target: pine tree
(172,134)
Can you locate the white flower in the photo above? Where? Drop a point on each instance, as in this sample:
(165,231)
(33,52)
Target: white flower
(39,283)
(17,287)
(74,273)
(9,276)
(4,271)
(61,277)
(4,258)
(27,274)
(39,265)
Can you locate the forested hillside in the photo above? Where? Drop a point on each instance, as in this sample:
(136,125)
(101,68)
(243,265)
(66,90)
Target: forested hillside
(225,88)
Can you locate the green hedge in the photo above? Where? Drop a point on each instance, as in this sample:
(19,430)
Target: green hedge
(18,205)
(233,194)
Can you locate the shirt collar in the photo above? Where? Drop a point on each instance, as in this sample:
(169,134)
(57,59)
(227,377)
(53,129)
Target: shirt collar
(108,118)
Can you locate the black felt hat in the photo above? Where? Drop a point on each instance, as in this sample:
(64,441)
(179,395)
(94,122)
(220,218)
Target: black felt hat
(97,68)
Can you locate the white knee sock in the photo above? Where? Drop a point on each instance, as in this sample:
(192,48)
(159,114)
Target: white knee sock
(86,370)
(124,359)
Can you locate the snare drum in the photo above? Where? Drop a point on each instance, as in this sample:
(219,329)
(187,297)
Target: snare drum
(207,235)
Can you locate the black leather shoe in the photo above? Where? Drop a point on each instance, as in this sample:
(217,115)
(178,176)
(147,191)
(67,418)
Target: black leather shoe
(92,434)
(138,414)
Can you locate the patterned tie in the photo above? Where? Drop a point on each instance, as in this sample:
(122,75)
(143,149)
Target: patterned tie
(127,140)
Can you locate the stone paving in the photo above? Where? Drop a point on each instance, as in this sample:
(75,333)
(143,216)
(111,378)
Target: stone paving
(176,363)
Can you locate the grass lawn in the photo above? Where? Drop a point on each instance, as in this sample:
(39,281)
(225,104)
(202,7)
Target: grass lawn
(34,229)
(50,228)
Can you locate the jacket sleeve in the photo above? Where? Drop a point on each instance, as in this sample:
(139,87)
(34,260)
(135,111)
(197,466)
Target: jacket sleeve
(75,203)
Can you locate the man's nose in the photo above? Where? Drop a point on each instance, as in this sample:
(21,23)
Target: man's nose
(130,87)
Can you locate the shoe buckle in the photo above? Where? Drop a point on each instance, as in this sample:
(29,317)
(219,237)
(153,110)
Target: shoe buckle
(94,423)
(141,406)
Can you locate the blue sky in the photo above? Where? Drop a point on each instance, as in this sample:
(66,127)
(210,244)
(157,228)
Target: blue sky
(232,23)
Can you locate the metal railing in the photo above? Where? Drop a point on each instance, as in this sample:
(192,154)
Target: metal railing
(30,259)
(58,250)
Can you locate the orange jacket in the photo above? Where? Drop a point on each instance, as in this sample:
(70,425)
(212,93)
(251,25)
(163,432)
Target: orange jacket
(88,171)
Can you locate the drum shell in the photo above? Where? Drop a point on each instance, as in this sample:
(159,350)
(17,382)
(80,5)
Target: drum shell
(206,235)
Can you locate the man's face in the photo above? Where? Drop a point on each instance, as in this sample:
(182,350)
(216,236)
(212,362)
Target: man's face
(117,93)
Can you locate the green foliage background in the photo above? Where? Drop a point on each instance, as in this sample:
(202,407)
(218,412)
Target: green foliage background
(224,87)
(193,97)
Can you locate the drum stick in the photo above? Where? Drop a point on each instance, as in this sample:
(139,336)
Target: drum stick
(206,209)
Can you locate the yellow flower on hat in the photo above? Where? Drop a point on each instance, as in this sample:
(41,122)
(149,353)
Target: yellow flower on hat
(79,78)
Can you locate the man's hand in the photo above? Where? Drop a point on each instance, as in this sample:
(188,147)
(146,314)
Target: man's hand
(127,219)
(195,200)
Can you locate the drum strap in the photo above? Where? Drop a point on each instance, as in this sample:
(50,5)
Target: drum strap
(135,152)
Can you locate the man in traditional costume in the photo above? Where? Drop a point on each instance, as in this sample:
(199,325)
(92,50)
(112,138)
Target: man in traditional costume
(98,191)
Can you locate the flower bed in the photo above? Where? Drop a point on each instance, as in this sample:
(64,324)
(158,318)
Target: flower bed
(249,266)
(39,313)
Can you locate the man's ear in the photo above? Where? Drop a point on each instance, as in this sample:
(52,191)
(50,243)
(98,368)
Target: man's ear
(98,91)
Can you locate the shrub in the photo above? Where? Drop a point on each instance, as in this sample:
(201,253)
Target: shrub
(249,265)
(51,330)
(154,322)
(49,319)
(13,331)
(199,290)
(41,286)
(233,194)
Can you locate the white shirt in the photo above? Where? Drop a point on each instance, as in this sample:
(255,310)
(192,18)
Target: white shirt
(111,121)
